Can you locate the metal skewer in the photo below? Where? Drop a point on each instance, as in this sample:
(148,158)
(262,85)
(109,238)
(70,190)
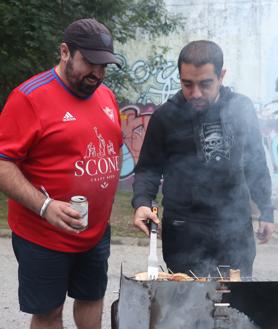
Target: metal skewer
(195,276)
(221,276)
(162,269)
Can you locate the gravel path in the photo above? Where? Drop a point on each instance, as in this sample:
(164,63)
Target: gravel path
(123,251)
(127,252)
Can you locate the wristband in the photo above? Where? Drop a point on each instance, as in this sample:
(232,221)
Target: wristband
(45,206)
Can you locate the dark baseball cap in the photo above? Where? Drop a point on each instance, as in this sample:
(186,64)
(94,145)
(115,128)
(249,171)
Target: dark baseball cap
(93,40)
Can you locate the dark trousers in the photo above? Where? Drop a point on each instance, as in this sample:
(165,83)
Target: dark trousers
(202,247)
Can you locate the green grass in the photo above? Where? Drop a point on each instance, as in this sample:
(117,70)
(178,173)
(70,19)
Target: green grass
(121,219)
(122,216)
(3,212)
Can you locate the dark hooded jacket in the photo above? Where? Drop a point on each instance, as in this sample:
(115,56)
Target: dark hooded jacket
(211,161)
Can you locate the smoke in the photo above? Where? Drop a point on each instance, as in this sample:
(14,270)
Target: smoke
(213,164)
(236,319)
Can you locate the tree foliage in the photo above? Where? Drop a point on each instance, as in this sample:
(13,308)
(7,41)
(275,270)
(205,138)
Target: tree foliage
(31,31)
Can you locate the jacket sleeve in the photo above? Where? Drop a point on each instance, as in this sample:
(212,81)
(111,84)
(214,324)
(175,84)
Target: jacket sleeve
(148,171)
(255,166)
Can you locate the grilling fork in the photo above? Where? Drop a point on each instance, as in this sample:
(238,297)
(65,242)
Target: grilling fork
(152,259)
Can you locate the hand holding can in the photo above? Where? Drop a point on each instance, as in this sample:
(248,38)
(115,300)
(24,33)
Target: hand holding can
(80,204)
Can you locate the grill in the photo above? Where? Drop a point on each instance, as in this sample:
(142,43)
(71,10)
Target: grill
(195,305)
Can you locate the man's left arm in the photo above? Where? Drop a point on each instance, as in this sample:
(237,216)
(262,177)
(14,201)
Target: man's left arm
(257,175)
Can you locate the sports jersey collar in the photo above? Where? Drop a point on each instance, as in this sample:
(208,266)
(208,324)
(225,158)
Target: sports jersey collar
(60,81)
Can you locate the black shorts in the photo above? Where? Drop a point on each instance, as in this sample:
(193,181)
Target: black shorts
(47,276)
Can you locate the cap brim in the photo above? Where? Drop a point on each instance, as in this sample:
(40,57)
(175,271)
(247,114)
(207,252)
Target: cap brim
(100,57)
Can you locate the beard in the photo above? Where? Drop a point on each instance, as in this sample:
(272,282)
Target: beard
(80,85)
(199,105)
(204,103)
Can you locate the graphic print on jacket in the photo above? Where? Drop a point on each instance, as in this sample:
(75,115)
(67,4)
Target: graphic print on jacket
(216,141)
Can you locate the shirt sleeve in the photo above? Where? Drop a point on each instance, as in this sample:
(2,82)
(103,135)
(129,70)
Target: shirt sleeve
(148,171)
(19,127)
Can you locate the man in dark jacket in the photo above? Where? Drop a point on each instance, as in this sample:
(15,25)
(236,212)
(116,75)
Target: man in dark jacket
(206,144)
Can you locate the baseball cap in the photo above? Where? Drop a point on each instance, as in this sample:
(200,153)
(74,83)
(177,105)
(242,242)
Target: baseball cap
(93,40)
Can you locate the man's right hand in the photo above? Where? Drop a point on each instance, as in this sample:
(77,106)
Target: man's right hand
(61,215)
(141,216)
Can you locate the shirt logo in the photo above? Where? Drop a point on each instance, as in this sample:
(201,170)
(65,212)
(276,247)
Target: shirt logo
(68,117)
(100,161)
(109,112)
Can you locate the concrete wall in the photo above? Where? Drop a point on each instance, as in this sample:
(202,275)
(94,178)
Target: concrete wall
(247,33)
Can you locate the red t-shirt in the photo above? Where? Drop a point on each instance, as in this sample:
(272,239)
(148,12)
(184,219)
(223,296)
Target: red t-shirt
(69,145)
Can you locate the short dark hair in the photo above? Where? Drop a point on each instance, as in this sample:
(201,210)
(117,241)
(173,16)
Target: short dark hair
(72,48)
(202,52)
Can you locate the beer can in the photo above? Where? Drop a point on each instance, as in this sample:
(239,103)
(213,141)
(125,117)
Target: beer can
(80,204)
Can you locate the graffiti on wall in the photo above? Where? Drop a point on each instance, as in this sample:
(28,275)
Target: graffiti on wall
(164,82)
(159,84)
(157,80)
(135,119)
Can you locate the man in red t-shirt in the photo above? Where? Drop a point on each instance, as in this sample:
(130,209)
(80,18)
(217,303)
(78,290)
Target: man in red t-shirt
(60,136)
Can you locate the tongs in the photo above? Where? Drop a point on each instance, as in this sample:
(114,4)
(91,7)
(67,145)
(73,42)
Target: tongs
(152,259)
